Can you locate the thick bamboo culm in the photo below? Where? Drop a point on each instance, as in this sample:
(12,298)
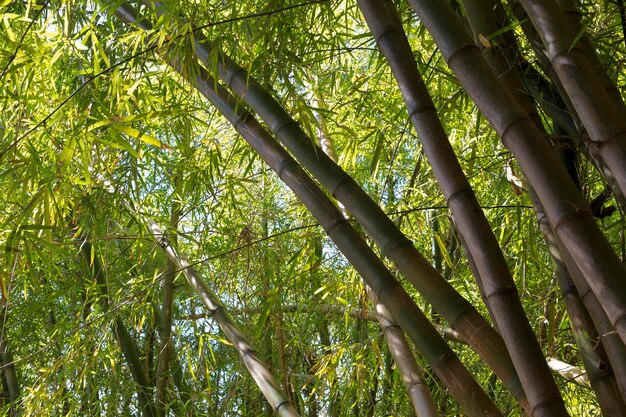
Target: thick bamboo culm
(570,116)
(565,207)
(603,115)
(493,275)
(461,315)
(503,60)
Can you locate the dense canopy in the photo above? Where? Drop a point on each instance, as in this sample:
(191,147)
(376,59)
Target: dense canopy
(318,208)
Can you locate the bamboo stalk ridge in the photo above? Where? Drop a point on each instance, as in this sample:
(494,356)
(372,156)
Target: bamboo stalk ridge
(429,342)
(499,290)
(461,315)
(565,207)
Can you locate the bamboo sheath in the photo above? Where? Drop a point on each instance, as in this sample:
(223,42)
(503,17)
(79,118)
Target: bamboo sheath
(565,207)
(433,347)
(499,291)
(459,313)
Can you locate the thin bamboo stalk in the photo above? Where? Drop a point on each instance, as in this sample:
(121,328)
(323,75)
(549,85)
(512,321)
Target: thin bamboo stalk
(257,368)
(461,315)
(165,327)
(8,367)
(126,343)
(492,272)
(565,207)
(411,374)
(442,359)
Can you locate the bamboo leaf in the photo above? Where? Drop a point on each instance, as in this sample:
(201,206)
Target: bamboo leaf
(132,132)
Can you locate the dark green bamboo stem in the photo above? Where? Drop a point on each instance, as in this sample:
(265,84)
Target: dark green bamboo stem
(8,367)
(130,351)
(127,344)
(456,310)
(165,326)
(565,207)
(492,272)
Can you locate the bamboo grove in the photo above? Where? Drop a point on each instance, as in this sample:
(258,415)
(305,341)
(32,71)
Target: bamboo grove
(313,208)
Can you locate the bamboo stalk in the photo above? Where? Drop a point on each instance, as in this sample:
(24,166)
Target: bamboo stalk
(165,327)
(607,381)
(442,359)
(411,374)
(565,207)
(126,343)
(488,18)
(9,373)
(489,265)
(602,377)
(597,102)
(461,315)
(589,147)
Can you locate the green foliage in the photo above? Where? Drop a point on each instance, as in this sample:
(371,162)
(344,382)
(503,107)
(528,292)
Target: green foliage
(92,117)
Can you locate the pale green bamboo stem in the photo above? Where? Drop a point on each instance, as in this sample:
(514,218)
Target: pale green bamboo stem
(257,368)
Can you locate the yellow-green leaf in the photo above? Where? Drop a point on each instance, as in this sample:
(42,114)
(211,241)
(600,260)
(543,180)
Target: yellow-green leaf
(144,137)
